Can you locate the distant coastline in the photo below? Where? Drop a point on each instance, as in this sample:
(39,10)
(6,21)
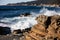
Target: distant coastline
(49,3)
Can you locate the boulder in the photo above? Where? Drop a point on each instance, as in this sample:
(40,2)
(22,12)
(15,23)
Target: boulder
(5,30)
(25,14)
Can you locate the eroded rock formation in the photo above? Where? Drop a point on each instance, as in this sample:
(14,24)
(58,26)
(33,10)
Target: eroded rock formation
(48,28)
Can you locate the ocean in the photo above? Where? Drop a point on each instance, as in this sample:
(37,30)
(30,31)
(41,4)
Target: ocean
(10,16)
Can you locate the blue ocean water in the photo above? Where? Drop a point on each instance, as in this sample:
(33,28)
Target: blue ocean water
(12,11)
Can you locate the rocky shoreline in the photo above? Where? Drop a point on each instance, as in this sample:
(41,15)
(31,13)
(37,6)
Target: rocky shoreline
(48,28)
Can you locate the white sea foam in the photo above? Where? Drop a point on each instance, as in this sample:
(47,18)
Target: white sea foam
(24,22)
(51,13)
(27,21)
(47,12)
(19,22)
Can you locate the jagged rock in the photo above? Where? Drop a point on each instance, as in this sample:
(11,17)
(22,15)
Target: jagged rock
(55,21)
(48,28)
(41,19)
(25,14)
(51,33)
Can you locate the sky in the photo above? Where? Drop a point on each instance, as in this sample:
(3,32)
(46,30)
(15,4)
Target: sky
(4,2)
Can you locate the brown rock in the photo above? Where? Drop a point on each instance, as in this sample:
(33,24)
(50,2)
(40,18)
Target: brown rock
(48,28)
(39,27)
(41,19)
(58,33)
(55,21)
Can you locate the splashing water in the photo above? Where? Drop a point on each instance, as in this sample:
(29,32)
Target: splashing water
(25,21)
(19,22)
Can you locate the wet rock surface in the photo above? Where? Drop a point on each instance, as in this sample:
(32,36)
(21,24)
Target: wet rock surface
(4,30)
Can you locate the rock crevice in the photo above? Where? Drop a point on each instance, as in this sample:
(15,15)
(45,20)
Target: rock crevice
(48,28)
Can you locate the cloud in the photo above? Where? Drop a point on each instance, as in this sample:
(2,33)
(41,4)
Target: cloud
(3,2)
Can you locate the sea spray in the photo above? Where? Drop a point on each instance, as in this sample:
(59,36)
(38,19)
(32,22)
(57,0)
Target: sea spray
(19,22)
(25,21)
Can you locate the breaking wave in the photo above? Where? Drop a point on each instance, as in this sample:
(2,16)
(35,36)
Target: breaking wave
(25,21)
